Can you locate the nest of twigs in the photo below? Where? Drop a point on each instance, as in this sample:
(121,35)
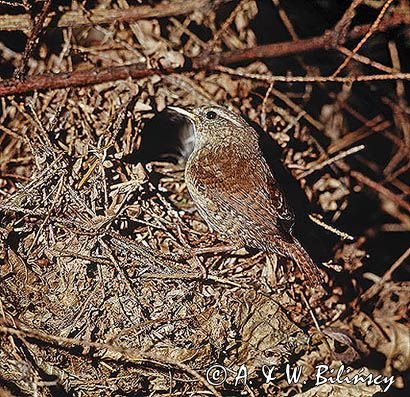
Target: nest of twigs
(97,293)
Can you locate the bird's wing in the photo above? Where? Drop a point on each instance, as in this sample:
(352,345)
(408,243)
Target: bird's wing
(241,185)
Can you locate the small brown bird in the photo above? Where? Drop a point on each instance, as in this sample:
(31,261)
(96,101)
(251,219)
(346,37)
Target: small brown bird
(235,192)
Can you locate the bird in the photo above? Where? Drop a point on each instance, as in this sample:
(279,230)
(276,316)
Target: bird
(234,189)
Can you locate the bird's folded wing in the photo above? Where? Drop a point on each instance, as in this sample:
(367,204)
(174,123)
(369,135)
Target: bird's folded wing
(244,187)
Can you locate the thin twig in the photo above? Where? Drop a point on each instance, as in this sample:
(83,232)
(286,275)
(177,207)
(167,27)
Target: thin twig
(285,20)
(342,27)
(376,287)
(32,41)
(367,61)
(380,189)
(9,3)
(371,30)
(375,128)
(345,236)
(225,25)
(331,160)
(313,79)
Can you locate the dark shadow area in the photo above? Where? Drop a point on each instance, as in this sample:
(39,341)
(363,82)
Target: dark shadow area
(166,137)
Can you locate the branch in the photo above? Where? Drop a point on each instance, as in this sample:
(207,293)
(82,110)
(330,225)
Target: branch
(49,81)
(100,75)
(378,285)
(342,27)
(312,79)
(101,16)
(331,39)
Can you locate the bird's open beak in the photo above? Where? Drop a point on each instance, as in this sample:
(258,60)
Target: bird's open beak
(189,115)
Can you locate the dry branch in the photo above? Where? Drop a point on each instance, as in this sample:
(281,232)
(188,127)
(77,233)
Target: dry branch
(313,79)
(79,78)
(77,18)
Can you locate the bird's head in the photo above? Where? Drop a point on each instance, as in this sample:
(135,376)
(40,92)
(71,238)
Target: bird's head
(214,124)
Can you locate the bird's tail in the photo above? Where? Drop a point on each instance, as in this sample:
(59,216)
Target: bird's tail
(304,262)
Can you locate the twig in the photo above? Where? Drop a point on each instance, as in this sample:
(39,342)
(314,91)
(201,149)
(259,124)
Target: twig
(9,3)
(380,189)
(398,172)
(367,61)
(331,160)
(375,128)
(32,41)
(285,20)
(190,34)
(311,312)
(342,27)
(225,25)
(263,112)
(314,218)
(298,110)
(371,30)
(376,287)
(32,116)
(46,219)
(313,79)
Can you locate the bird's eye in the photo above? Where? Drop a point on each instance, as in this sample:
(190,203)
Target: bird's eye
(211,115)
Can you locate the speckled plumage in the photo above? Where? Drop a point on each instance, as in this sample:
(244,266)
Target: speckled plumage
(234,189)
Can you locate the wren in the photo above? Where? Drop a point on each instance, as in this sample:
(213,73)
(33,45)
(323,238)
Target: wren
(234,190)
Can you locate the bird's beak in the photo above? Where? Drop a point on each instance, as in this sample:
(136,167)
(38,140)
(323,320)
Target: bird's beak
(189,115)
